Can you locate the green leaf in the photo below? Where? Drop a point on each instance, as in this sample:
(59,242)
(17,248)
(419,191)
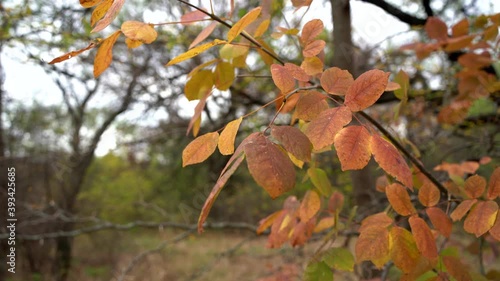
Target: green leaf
(318,271)
(320,180)
(339,259)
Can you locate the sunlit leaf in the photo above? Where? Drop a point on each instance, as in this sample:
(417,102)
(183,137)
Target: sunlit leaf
(104,54)
(139,31)
(310,205)
(462,209)
(336,81)
(366,89)
(353,147)
(243,23)
(311,30)
(436,29)
(72,54)
(373,244)
(282,78)
(269,166)
(224,75)
(310,105)
(294,141)
(195,51)
(440,221)
(423,237)
(227,137)
(320,180)
(230,52)
(481,217)
(494,185)
(322,130)
(203,34)
(404,251)
(313,48)
(456,268)
(200,149)
(339,259)
(475,186)
(399,199)
(100,11)
(428,194)
(389,159)
(109,16)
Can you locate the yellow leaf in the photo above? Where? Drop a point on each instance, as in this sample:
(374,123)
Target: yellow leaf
(110,15)
(263,26)
(89,3)
(227,137)
(139,31)
(100,11)
(242,23)
(404,252)
(310,206)
(200,149)
(132,44)
(104,54)
(195,51)
(199,85)
(224,76)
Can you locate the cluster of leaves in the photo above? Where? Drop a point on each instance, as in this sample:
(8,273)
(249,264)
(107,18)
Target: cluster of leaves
(323,103)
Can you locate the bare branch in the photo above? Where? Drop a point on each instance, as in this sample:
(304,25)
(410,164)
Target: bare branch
(399,14)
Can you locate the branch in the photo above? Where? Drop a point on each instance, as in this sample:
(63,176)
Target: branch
(427,8)
(399,14)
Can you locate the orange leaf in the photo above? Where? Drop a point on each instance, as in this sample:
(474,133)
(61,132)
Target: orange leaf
(481,217)
(336,81)
(132,44)
(104,54)
(440,221)
(139,31)
(428,194)
(310,206)
(109,16)
(460,28)
(294,141)
(312,66)
(200,149)
(310,105)
(373,244)
(458,43)
(269,166)
(297,72)
(203,34)
(243,23)
(268,221)
(495,229)
(462,209)
(195,51)
(336,202)
(72,54)
(475,186)
(436,29)
(282,78)
(353,147)
(399,199)
(89,3)
(227,137)
(311,30)
(389,159)
(224,75)
(376,220)
(301,233)
(456,268)
(192,17)
(474,61)
(366,89)
(313,48)
(494,185)
(423,237)
(322,130)
(100,11)
(404,252)
(392,86)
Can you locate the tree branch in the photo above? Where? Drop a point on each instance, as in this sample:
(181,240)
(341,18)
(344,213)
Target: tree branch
(399,14)
(427,8)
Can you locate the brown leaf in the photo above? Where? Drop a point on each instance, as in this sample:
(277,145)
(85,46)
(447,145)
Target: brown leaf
(310,206)
(481,217)
(246,20)
(311,30)
(440,221)
(297,72)
(456,268)
(336,81)
(200,149)
(404,252)
(399,199)
(366,89)
(462,209)
(139,31)
(458,43)
(227,137)
(203,34)
(474,61)
(475,186)
(461,28)
(313,48)
(353,147)
(270,167)
(282,78)
(494,185)
(495,229)
(104,54)
(389,159)
(336,202)
(72,54)
(322,130)
(373,244)
(109,16)
(294,141)
(428,194)
(436,29)
(423,237)
(310,105)
(100,11)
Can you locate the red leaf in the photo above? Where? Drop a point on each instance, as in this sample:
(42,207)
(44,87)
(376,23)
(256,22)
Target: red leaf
(297,72)
(481,217)
(313,48)
(109,16)
(389,159)
(269,166)
(310,105)
(302,232)
(192,17)
(366,89)
(282,78)
(311,30)
(294,141)
(436,29)
(322,130)
(72,54)
(428,194)
(336,81)
(399,199)
(353,147)
(462,209)
(461,28)
(475,186)
(200,149)
(494,185)
(440,221)
(423,237)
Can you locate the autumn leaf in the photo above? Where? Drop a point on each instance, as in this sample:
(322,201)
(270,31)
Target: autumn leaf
(132,44)
(324,223)
(311,30)
(423,237)
(302,232)
(336,81)
(461,28)
(72,54)
(192,17)
(203,34)
(282,78)
(474,186)
(428,194)
(309,105)
(481,217)
(353,147)
(339,259)
(139,31)
(495,229)
(100,11)
(440,221)
(262,28)
(294,141)
(195,51)
(89,3)
(109,16)
(474,61)
(494,185)
(269,166)
(320,180)
(373,244)
(376,220)
(389,159)
(199,84)
(436,29)
(404,81)
(200,149)
(366,89)
(399,199)
(312,65)
(297,72)
(462,209)
(224,76)
(265,223)
(322,130)
(227,137)
(104,54)
(456,268)
(243,23)
(336,202)
(310,206)
(313,48)
(404,251)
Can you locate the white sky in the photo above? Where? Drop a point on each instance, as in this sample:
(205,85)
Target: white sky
(371,25)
